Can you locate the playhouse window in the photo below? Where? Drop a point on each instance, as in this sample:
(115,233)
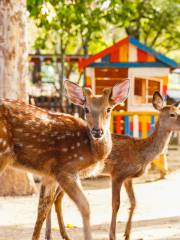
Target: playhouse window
(152,87)
(144,89)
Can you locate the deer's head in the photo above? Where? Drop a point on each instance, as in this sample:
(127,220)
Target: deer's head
(169,117)
(97,108)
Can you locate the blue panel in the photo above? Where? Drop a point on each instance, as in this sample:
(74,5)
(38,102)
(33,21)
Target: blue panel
(159,56)
(127,65)
(152,125)
(105,58)
(126,127)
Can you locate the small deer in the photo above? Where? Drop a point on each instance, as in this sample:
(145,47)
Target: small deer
(58,146)
(128,159)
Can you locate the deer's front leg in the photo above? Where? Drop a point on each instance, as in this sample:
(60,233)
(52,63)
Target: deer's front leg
(58,209)
(70,185)
(46,199)
(59,213)
(129,189)
(116,188)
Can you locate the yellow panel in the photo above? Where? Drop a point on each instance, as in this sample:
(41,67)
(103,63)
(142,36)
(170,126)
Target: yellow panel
(161,162)
(112,124)
(123,53)
(144,121)
(164,78)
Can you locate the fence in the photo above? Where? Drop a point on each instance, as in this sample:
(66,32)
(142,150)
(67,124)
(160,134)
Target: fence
(136,124)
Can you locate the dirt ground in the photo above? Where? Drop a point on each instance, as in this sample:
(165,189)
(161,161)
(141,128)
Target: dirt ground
(157,216)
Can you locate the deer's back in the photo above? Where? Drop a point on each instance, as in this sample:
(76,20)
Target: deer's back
(43,141)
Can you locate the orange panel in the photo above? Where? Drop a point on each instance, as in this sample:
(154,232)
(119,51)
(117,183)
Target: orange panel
(88,81)
(164,89)
(123,53)
(150,58)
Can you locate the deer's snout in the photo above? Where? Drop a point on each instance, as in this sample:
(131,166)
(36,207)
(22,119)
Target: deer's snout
(97,132)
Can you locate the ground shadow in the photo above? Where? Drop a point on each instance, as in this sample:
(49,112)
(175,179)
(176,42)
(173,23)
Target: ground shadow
(100,232)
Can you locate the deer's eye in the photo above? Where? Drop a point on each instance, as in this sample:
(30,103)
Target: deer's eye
(173,115)
(86,110)
(108,110)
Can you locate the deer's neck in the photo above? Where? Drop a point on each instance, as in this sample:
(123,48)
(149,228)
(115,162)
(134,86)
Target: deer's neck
(101,148)
(156,143)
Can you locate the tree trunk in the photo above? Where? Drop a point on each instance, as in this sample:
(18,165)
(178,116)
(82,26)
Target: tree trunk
(13,76)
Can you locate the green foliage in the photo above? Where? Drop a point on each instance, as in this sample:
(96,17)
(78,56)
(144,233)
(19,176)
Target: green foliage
(67,25)
(154,22)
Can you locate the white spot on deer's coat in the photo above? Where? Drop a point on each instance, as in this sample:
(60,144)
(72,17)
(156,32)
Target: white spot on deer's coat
(4,143)
(68,134)
(54,134)
(64,149)
(45,118)
(78,144)
(19,129)
(75,155)
(72,147)
(86,141)
(30,146)
(4,129)
(7,150)
(81,158)
(20,145)
(78,133)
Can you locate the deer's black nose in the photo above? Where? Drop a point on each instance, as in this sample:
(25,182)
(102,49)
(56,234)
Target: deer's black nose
(97,132)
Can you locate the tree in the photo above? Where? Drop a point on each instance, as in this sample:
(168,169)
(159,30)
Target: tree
(56,20)
(154,22)
(68,26)
(13,75)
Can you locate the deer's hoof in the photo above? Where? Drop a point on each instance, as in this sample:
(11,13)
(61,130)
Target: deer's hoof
(126,237)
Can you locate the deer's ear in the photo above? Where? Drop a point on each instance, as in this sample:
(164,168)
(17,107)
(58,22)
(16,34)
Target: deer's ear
(177,104)
(119,92)
(157,101)
(74,92)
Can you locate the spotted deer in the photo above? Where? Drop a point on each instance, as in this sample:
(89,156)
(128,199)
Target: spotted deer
(58,146)
(128,159)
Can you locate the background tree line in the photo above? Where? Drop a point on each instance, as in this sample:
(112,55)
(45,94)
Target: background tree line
(87,26)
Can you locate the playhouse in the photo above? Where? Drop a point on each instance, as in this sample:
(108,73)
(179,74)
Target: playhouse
(147,69)
(148,72)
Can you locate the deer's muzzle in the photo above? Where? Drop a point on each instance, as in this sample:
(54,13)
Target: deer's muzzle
(97,133)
